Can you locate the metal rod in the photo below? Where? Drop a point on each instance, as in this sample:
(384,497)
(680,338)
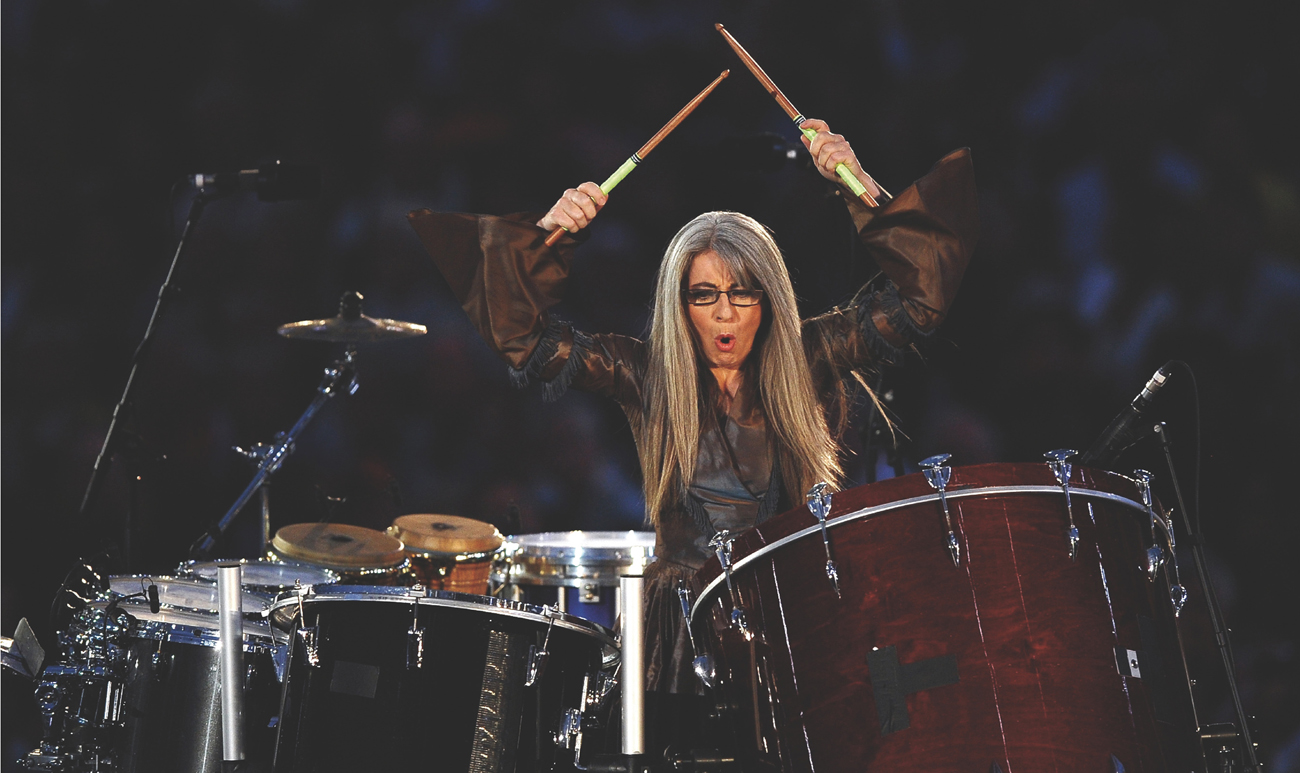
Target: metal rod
(633,635)
(165,294)
(230,612)
(266,518)
(1197,541)
(338,376)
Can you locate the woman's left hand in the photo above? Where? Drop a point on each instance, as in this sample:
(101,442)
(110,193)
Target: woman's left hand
(829,150)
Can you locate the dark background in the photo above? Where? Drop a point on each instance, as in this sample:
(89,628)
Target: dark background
(1137,168)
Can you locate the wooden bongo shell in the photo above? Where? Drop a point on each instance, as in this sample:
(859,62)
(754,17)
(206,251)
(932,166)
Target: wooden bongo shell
(338,545)
(449,552)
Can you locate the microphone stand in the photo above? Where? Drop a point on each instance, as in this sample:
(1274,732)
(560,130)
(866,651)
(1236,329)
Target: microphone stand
(1197,541)
(341,375)
(165,294)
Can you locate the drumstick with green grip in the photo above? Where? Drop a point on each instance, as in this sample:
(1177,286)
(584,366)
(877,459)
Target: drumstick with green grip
(639,156)
(846,174)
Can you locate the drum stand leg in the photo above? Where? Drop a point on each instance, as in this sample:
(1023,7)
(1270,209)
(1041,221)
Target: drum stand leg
(1197,541)
(231,617)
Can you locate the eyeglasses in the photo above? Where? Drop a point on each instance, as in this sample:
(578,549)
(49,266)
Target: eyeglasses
(738,296)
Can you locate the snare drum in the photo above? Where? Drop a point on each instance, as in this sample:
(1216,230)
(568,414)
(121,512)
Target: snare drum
(263,575)
(410,679)
(1030,647)
(357,554)
(448,552)
(576,570)
(139,691)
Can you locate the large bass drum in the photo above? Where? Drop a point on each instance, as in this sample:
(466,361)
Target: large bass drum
(1014,657)
(412,679)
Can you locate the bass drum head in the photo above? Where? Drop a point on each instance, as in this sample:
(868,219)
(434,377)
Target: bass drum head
(182,593)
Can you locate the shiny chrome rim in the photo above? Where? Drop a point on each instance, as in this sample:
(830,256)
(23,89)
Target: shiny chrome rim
(442,598)
(706,596)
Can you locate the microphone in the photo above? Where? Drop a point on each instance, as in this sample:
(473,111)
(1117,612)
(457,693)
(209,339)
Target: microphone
(276,182)
(152,593)
(1118,436)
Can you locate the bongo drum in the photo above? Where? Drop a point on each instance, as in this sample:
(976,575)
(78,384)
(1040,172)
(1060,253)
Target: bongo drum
(359,556)
(448,552)
(866,642)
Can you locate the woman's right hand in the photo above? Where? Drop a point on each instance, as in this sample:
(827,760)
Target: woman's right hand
(576,208)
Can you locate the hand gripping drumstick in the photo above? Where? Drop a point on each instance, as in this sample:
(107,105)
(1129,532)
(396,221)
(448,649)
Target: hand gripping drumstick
(639,156)
(843,171)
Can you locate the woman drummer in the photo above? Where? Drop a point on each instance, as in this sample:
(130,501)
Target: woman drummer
(733,401)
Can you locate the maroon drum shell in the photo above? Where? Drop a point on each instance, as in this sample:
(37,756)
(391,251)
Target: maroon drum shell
(1034,635)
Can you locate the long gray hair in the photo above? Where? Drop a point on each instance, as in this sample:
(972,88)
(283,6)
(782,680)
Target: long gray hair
(675,390)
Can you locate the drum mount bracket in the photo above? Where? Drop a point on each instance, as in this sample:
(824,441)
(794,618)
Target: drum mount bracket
(819,504)
(937,474)
(1061,469)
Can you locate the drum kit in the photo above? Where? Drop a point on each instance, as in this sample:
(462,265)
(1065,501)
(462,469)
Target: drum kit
(989,618)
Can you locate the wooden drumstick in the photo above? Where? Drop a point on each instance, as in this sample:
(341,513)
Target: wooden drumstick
(639,156)
(843,171)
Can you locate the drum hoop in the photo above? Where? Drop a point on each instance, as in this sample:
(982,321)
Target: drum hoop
(445,598)
(256,637)
(186,570)
(575,553)
(459,558)
(706,595)
(246,591)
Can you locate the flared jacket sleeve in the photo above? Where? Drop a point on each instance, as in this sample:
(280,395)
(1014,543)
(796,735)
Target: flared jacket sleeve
(922,240)
(506,279)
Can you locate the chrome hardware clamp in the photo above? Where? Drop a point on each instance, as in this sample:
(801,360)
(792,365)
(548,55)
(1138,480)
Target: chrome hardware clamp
(938,475)
(819,503)
(415,634)
(703,662)
(1155,555)
(1062,469)
(721,544)
(537,658)
(309,634)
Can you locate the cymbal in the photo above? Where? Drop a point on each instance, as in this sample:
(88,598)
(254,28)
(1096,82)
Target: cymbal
(351,326)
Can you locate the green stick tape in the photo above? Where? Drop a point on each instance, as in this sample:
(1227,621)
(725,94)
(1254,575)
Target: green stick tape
(843,171)
(619,174)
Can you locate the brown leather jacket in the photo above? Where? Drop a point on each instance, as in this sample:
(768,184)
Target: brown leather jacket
(506,280)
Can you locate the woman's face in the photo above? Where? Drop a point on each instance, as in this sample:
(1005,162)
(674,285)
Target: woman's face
(725,332)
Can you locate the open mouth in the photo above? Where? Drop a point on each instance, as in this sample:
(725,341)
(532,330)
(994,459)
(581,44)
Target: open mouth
(726,342)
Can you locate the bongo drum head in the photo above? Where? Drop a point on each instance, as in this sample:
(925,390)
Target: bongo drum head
(338,545)
(450,534)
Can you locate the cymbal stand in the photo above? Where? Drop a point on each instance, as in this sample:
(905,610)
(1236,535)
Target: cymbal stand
(255,454)
(339,376)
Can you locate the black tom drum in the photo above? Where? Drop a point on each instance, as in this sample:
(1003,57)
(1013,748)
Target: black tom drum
(385,678)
